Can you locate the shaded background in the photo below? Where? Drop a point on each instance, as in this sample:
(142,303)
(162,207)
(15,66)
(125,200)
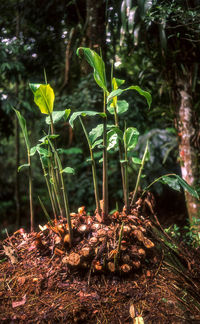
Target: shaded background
(154,44)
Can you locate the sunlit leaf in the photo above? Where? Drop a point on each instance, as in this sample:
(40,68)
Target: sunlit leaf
(143,93)
(113,137)
(33,150)
(96,132)
(122,107)
(136,160)
(97,64)
(68,170)
(97,143)
(84,113)
(58,115)
(131,138)
(43,97)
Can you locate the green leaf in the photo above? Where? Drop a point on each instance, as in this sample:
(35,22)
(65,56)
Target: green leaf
(58,115)
(97,64)
(43,97)
(97,143)
(45,138)
(136,160)
(171,182)
(143,93)
(122,107)
(22,123)
(175,181)
(119,82)
(23,166)
(33,150)
(44,152)
(95,133)
(68,170)
(131,138)
(113,137)
(84,113)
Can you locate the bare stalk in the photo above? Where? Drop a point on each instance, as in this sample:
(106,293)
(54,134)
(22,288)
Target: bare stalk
(139,174)
(94,173)
(65,197)
(105,164)
(30,192)
(126,182)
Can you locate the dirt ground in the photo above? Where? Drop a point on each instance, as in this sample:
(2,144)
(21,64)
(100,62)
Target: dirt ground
(125,271)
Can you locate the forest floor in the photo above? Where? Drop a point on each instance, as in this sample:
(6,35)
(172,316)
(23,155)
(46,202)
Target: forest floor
(126,271)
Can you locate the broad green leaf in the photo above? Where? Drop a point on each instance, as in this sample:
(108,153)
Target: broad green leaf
(136,160)
(113,137)
(68,170)
(175,181)
(84,113)
(122,107)
(22,123)
(23,166)
(97,64)
(171,182)
(95,133)
(71,150)
(97,143)
(131,138)
(143,93)
(43,97)
(58,115)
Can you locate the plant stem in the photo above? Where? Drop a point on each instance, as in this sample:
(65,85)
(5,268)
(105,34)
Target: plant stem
(30,192)
(156,180)
(120,155)
(105,164)
(48,187)
(55,188)
(65,198)
(126,184)
(94,173)
(139,174)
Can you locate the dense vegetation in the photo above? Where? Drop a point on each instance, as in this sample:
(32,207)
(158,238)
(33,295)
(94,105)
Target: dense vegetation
(152,44)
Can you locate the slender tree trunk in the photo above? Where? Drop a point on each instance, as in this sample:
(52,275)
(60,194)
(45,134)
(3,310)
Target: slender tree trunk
(188,151)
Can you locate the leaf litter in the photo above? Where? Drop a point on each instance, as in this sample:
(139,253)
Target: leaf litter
(113,273)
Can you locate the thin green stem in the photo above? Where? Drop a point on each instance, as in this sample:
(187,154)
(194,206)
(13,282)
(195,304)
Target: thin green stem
(48,187)
(94,173)
(65,197)
(30,192)
(105,164)
(120,155)
(139,174)
(126,183)
(55,188)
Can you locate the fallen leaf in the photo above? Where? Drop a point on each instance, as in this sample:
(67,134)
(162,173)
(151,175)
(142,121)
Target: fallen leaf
(19,303)
(10,253)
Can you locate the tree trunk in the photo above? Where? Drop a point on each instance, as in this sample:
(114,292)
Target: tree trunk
(96,26)
(188,151)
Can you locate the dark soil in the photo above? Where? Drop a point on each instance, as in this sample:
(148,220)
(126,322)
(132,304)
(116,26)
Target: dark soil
(147,276)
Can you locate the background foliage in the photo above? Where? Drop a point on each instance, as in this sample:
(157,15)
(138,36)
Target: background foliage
(146,40)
